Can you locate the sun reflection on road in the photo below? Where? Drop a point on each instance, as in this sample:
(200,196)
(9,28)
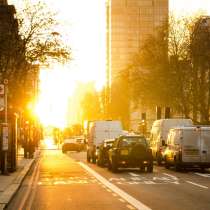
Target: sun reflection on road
(48,144)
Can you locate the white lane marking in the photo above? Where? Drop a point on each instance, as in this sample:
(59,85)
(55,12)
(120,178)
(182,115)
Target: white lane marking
(203,175)
(193,183)
(120,199)
(173,177)
(130,207)
(134,202)
(133,174)
(136,178)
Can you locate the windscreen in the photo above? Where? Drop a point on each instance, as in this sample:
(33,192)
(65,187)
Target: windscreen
(129,141)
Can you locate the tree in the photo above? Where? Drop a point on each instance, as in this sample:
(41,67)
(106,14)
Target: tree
(91,106)
(172,68)
(119,105)
(35,41)
(149,71)
(200,58)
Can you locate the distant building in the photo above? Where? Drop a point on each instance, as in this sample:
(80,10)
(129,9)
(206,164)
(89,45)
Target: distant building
(129,22)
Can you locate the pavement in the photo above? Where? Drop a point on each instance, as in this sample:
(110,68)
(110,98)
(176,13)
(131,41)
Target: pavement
(10,184)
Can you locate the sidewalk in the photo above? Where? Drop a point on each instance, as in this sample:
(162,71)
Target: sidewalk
(10,184)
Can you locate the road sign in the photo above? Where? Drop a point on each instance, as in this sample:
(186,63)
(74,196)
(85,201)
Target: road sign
(1,89)
(2,104)
(5,137)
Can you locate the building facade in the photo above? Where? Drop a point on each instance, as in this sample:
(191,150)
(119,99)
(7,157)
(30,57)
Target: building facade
(129,22)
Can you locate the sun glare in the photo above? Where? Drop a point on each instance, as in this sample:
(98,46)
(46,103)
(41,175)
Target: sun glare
(56,88)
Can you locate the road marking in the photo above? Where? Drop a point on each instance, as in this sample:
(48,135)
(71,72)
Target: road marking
(120,199)
(193,183)
(133,174)
(203,175)
(134,202)
(117,179)
(130,207)
(136,178)
(173,177)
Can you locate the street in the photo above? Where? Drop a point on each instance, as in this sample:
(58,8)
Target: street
(66,181)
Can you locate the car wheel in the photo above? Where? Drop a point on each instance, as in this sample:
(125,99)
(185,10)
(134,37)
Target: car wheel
(142,168)
(88,158)
(167,165)
(203,169)
(93,159)
(159,159)
(177,167)
(101,162)
(109,166)
(114,167)
(150,168)
(98,162)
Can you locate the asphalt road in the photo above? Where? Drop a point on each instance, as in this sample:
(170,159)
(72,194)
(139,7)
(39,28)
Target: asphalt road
(59,181)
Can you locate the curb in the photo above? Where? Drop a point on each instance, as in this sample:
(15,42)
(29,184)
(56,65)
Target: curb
(8,194)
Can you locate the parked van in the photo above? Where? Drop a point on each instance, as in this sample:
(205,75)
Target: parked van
(98,132)
(159,133)
(187,147)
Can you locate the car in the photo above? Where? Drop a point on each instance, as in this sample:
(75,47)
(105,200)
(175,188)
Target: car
(130,151)
(159,133)
(70,145)
(81,143)
(100,130)
(102,152)
(188,147)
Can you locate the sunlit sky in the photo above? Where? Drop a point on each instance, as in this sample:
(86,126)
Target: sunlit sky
(83,28)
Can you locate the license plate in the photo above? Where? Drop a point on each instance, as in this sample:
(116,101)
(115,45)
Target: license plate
(124,152)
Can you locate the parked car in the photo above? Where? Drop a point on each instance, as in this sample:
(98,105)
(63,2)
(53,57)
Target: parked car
(98,131)
(130,151)
(102,152)
(188,147)
(81,143)
(159,133)
(70,145)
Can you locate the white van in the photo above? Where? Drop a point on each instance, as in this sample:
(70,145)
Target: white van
(98,132)
(159,133)
(187,147)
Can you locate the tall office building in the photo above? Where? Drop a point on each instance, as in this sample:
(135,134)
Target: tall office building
(129,22)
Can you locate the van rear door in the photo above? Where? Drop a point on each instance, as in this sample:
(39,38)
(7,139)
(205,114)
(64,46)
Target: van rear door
(205,145)
(191,145)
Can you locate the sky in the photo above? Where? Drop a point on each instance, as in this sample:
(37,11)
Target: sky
(189,6)
(83,26)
